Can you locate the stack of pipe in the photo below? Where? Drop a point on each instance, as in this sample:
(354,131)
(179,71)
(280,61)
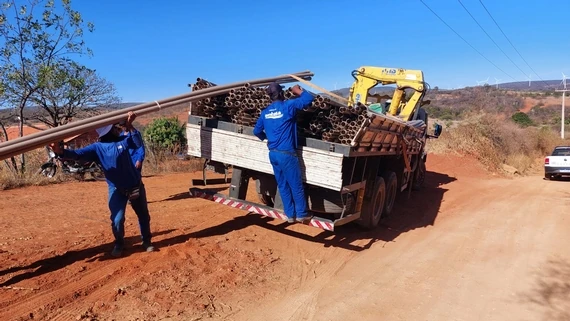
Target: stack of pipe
(324,119)
(40,139)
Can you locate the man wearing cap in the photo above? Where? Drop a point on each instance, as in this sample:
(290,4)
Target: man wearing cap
(277,123)
(123,179)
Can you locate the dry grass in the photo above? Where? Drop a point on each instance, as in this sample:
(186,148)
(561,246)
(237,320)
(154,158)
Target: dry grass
(155,163)
(163,162)
(31,176)
(495,141)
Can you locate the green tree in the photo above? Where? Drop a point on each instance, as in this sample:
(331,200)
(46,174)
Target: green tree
(69,88)
(36,35)
(165,134)
(522,119)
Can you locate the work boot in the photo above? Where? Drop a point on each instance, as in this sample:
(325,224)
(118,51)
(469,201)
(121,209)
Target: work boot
(117,251)
(302,219)
(148,247)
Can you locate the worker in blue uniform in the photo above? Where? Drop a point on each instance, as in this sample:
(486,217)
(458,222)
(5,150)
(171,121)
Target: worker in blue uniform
(123,179)
(137,155)
(277,123)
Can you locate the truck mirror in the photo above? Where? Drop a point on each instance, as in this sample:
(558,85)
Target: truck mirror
(438,129)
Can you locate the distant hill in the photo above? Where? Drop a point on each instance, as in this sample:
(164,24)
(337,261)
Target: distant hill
(535,85)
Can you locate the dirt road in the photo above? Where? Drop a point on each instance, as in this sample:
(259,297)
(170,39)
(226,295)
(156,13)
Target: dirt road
(469,247)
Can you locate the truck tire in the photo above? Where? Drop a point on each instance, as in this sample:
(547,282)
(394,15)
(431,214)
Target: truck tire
(419,176)
(371,214)
(391,181)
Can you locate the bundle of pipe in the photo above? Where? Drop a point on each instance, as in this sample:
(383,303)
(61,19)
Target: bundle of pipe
(30,142)
(324,119)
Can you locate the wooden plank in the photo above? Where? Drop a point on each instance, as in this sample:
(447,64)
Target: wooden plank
(329,179)
(258,148)
(319,168)
(255,139)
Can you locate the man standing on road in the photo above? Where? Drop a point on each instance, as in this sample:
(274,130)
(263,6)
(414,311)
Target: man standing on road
(277,123)
(138,154)
(123,179)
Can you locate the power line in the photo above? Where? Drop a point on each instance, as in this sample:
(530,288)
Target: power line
(481,2)
(504,53)
(466,40)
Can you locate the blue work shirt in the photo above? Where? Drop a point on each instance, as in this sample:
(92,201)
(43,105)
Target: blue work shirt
(114,158)
(136,154)
(278,124)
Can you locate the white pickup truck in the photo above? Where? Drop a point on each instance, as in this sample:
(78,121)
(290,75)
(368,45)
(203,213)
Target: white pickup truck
(557,164)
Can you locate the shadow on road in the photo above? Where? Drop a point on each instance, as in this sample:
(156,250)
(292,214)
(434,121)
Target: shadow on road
(55,263)
(184,195)
(420,210)
(551,291)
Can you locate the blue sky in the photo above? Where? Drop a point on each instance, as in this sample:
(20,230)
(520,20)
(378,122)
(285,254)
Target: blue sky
(152,49)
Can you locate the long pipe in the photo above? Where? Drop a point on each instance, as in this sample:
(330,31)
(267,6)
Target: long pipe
(214,91)
(36,140)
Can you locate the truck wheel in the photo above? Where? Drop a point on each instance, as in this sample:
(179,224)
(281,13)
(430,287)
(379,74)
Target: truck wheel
(548,176)
(372,213)
(420,176)
(391,182)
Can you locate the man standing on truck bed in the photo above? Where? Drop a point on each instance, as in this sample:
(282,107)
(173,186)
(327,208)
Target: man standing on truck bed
(278,124)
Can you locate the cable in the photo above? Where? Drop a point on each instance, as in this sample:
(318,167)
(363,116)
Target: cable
(466,41)
(511,42)
(477,22)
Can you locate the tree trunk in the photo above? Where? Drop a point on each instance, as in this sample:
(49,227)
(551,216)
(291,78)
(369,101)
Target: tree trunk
(21,133)
(14,167)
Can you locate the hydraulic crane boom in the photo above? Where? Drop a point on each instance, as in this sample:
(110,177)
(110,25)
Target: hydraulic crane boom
(368,77)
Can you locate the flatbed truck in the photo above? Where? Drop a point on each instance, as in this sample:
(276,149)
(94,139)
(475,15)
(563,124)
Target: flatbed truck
(344,183)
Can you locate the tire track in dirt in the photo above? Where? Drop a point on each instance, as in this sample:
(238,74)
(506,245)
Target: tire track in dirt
(88,280)
(466,267)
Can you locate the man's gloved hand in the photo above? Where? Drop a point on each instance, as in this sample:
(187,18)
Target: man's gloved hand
(131,116)
(296,90)
(56,147)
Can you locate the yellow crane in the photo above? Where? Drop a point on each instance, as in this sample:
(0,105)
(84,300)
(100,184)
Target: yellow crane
(368,77)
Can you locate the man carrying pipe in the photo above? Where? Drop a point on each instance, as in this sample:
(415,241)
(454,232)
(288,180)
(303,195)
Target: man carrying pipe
(137,155)
(123,179)
(277,123)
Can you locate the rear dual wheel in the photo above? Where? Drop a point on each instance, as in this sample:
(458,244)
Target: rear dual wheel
(382,204)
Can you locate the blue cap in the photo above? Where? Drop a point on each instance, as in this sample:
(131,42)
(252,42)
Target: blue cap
(274,89)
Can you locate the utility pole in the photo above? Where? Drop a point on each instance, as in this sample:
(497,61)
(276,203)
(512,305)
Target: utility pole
(563,101)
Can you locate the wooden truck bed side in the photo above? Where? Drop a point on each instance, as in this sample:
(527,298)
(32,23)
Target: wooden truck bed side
(319,168)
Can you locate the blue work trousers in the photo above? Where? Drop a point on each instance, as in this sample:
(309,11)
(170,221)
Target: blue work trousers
(118,203)
(287,171)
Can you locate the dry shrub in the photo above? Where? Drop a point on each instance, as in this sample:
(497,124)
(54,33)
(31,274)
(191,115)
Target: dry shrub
(495,141)
(34,159)
(162,161)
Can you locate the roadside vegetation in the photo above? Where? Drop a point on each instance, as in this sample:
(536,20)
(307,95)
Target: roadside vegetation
(165,146)
(496,140)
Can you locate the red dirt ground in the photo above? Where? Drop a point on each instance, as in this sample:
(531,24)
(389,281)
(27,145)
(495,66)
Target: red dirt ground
(467,247)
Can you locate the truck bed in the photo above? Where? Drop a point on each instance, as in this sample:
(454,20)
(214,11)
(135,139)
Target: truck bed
(321,161)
